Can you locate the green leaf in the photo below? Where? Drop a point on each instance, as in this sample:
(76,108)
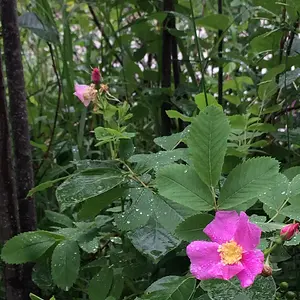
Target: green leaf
(156,160)
(294,188)
(236,100)
(173,114)
(171,141)
(201,102)
(247,181)
(41,274)
(32,22)
(117,287)
(45,185)
(81,187)
(65,264)
(170,214)
(100,285)
(292,172)
(263,288)
(34,297)
(93,206)
(27,247)
(260,221)
(181,184)
(207,143)
(192,228)
(153,240)
(171,288)
(58,218)
(126,149)
(216,22)
(237,84)
(139,212)
(266,42)
(275,196)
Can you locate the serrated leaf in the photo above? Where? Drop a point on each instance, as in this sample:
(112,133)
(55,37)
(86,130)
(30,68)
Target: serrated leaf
(58,218)
(27,247)
(171,141)
(191,229)
(153,240)
(100,285)
(247,181)
(159,159)
(181,184)
(171,288)
(292,172)
(93,206)
(201,101)
(81,187)
(207,143)
(263,288)
(260,221)
(65,264)
(139,212)
(277,194)
(169,214)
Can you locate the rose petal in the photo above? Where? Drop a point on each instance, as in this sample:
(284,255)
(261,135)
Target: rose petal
(223,227)
(247,234)
(253,262)
(229,271)
(79,92)
(205,260)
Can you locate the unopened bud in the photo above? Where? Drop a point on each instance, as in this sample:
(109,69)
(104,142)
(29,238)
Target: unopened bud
(267,271)
(96,76)
(288,231)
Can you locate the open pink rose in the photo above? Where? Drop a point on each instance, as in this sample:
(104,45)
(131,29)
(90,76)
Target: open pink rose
(85,93)
(232,250)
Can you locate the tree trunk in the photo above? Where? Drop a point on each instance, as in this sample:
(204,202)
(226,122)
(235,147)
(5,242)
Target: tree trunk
(9,220)
(19,124)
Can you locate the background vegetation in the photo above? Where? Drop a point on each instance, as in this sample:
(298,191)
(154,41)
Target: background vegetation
(165,60)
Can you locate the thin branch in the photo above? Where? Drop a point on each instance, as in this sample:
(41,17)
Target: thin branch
(56,110)
(96,21)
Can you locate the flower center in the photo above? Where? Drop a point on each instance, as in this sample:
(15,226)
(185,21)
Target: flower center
(90,93)
(230,253)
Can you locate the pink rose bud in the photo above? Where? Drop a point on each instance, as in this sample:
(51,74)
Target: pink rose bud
(96,76)
(267,271)
(288,231)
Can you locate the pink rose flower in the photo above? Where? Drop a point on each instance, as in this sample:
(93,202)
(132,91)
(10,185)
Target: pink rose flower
(288,231)
(85,93)
(232,250)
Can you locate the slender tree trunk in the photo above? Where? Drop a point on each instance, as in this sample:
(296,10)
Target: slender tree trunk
(166,68)
(9,219)
(19,124)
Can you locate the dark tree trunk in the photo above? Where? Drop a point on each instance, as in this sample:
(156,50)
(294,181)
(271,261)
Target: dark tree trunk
(9,220)
(19,124)
(166,68)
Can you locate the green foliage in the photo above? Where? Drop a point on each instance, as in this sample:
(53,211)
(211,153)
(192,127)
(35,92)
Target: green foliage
(207,144)
(28,247)
(65,264)
(117,226)
(247,181)
(263,288)
(171,288)
(181,184)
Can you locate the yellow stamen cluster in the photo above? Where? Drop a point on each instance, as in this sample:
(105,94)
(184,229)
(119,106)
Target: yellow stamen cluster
(230,253)
(90,93)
